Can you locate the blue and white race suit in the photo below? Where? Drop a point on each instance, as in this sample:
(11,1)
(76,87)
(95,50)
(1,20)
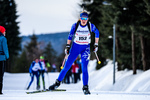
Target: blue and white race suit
(81,45)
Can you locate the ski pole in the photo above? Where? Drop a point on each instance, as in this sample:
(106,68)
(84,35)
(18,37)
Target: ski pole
(48,78)
(27,83)
(66,56)
(99,62)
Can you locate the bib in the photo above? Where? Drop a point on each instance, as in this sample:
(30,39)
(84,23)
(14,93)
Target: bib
(82,35)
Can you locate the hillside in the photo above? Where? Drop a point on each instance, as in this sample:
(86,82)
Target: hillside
(58,40)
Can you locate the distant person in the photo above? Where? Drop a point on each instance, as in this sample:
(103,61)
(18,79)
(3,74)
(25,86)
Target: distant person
(42,71)
(53,67)
(4,55)
(47,66)
(81,31)
(80,70)
(75,70)
(34,71)
(68,76)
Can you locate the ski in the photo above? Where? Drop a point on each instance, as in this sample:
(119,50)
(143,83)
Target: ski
(47,90)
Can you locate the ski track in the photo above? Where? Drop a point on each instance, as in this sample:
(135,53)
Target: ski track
(73,95)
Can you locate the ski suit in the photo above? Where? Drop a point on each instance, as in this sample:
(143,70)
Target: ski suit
(81,45)
(42,71)
(34,70)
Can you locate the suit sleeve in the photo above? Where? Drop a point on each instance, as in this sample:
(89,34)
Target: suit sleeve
(71,34)
(95,30)
(5,48)
(30,69)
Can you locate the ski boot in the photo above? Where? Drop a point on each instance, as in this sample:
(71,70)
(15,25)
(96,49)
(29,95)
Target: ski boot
(86,90)
(1,93)
(55,85)
(44,88)
(28,87)
(1,85)
(38,87)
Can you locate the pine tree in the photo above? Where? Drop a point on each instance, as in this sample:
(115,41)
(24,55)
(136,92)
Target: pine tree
(8,17)
(146,37)
(49,53)
(124,14)
(130,18)
(33,49)
(21,64)
(139,22)
(147,6)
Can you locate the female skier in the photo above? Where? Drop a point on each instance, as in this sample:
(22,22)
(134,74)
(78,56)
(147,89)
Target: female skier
(34,71)
(81,45)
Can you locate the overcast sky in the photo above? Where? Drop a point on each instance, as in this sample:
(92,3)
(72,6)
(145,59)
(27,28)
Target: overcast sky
(46,16)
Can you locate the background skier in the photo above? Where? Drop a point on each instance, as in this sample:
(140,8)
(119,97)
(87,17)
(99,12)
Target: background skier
(75,71)
(42,71)
(34,71)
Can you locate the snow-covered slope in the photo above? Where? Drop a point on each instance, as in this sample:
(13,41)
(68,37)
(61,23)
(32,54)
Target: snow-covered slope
(127,86)
(102,80)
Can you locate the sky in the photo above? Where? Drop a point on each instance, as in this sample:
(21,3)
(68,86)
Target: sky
(46,16)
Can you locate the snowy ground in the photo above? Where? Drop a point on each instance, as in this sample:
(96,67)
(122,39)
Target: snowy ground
(127,86)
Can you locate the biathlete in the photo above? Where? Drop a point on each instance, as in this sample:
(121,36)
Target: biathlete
(81,45)
(34,71)
(45,65)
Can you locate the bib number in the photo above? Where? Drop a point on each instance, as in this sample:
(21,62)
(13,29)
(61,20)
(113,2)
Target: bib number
(82,38)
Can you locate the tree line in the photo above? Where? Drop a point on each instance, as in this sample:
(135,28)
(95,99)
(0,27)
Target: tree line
(20,59)
(33,50)
(132,18)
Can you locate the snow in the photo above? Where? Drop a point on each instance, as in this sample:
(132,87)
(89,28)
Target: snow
(127,86)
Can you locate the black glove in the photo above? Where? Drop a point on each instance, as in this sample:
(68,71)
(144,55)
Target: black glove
(67,49)
(95,47)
